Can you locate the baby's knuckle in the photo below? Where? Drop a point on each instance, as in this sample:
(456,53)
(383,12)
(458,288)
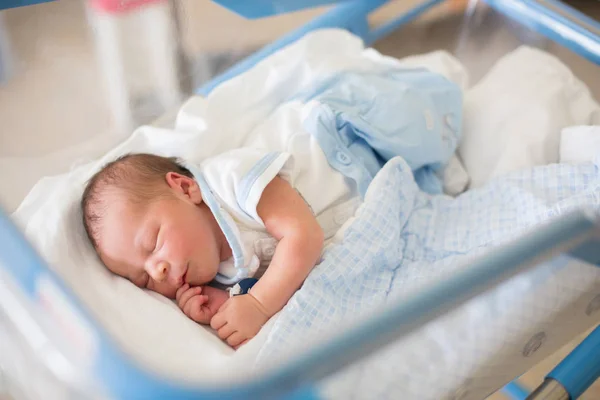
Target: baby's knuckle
(196,314)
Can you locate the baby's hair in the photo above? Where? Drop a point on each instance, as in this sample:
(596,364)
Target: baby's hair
(137,175)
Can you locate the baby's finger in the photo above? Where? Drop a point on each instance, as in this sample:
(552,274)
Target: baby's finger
(240,345)
(187,309)
(200,313)
(185,297)
(218,321)
(226,331)
(190,305)
(197,302)
(235,339)
(180,291)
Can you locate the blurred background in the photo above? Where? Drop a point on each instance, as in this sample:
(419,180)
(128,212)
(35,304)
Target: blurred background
(84,73)
(77,76)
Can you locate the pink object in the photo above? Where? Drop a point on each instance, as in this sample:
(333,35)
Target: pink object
(121,6)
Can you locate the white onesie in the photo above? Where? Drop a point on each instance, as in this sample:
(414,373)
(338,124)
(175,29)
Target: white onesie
(232,184)
(328,144)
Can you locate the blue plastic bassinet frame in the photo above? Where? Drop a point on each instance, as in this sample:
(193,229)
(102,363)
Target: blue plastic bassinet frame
(119,377)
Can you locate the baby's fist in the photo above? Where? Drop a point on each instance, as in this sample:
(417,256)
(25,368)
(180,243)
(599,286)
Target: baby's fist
(193,303)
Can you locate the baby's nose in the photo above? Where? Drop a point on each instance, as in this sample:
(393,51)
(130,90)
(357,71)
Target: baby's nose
(161,271)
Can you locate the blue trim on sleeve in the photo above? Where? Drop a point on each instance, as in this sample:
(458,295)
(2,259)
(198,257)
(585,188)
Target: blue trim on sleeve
(236,248)
(242,287)
(251,177)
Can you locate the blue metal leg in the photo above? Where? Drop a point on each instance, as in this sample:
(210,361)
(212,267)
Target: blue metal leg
(581,367)
(550,390)
(569,379)
(515,391)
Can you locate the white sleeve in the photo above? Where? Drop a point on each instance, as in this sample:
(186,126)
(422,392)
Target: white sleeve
(238,178)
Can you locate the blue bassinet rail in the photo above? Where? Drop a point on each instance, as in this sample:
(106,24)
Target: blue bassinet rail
(576,234)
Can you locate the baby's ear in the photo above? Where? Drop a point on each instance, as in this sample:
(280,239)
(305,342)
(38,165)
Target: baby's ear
(185,186)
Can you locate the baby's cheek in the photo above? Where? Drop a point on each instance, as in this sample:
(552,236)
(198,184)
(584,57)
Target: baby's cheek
(180,248)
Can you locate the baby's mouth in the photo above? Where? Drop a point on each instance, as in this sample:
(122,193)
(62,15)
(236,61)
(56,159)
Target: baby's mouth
(184,277)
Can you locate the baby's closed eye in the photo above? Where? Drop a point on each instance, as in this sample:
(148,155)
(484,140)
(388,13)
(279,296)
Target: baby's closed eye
(158,241)
(150,243)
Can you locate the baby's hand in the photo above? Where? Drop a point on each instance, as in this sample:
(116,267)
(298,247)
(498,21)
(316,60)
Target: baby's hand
(200,303)
(193,303)
(239,319)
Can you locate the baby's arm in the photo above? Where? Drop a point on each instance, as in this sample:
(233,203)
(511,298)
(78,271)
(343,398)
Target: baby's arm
(288,219)
(200,303)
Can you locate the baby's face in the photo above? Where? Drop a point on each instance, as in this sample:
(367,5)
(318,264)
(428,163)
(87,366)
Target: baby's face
(160,245)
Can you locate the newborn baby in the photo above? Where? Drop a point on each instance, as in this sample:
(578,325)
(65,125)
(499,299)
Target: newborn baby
(149,221)
(273,201)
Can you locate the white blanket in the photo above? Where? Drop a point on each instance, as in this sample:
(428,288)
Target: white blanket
(402,239)
(515,114)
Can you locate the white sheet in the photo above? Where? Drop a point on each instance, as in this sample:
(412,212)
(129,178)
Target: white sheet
(514,115)
(579,143)
(50,216)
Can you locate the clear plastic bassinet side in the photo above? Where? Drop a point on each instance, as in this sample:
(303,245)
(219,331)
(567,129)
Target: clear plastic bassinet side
(31,362)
